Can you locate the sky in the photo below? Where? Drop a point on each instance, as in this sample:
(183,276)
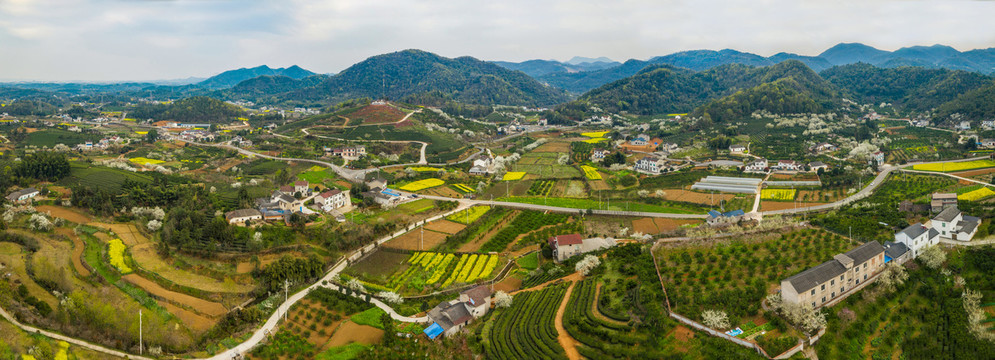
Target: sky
(117,40)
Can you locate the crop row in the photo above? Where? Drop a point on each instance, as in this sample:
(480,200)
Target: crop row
(463,188)
(525,222)
(470,215)
(526,329)
(601,339)
(541,188)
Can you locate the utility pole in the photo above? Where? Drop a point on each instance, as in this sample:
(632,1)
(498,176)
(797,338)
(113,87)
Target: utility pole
(140,347)
(421,246)
(286,297)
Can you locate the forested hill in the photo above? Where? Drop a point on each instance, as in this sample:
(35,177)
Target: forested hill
(977,104)
(411,72)
(197,109)
(666,89)
(232,77)
(265,89)
(911,88)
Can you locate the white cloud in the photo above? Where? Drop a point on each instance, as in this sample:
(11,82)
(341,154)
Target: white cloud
(117,40)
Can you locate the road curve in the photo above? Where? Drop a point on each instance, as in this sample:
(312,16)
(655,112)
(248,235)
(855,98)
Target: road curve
(77,342)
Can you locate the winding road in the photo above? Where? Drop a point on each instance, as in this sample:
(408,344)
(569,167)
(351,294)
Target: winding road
(271,324)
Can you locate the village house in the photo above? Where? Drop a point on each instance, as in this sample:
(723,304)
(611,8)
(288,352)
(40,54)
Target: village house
(815,166)
(987,143)
(482,166)
(377,195)
(831,280)
(756,166)
(242,216)
(822,147)
(988,124)
(570,245)
(333,199)
(942,201)
(302,187)
(909,206)
(599,154)
(786,165)
(449,317)
(877,157)
(737,148)
(22,195)
(963,126)
(669,147)
(916,237)
(350,153)
(650,165)
(896,252)
(730,217)
(920,123)
(954,225)
(196,135)
(640,140)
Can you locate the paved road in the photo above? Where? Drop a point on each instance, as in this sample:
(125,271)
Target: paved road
(77,342)
(271,324)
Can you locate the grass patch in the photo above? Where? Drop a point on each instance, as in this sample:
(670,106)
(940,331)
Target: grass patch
(370,317)
(529,262)
(345,352)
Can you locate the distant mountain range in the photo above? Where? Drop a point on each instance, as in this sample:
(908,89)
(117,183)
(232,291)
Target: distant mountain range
(230,78)
(934,57)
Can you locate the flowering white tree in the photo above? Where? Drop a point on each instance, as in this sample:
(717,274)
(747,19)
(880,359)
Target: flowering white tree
(502,299)
(390,297)
(354,284)
(588,263)
(154,225)
(39,222)
(715,319)
(563,159)
(933,257)
(893,276)
(807,317)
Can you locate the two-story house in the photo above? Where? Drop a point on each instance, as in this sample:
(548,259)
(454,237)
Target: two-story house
(333,199)
(650,165)
(916,237)
(756,166)
(832,279)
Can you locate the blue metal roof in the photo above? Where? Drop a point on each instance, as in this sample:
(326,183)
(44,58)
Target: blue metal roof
(734,213)
(714,213)
(433,331)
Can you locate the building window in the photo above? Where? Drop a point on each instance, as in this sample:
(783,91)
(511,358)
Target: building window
(832,282)
(813,291)
(865,276)
(823,299)
(858,281)
(823,289)
(841,278)
(865,265)
(834,294)
(813,304)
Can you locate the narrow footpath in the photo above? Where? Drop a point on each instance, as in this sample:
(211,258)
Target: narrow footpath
(566,341)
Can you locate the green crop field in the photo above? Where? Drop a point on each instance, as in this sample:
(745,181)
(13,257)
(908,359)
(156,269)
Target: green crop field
(51,137)
(102,177)
(593,204)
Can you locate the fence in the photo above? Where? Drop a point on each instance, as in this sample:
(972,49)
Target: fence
(719,334)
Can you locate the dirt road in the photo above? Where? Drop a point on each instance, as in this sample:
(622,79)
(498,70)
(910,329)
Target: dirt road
(566,341)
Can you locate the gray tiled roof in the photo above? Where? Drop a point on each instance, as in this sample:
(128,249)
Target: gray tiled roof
(240,213)
(967,226)
(895,250)
(914,230)
(865,252)
(932,233)
(948,214)
(809,279)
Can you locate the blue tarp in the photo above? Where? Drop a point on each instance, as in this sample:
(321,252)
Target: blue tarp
(433,331)
(887,259)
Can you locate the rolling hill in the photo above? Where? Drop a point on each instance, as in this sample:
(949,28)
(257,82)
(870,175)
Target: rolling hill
(401,74)
(230,78)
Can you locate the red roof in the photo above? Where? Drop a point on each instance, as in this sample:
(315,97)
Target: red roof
(287,188)
(330,193)
(300,183)
(569,239)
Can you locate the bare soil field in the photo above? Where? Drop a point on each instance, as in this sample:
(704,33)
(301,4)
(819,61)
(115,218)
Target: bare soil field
(802,176)
(65,214)
(199,305)
(554,147)
(599,184)
(781,205)
(412,240)
(971,173)
(509,284)
(445,226)
(816,195)
(695,197)
(192,320)
(441,191)
(659,225)
(148,259)
(350,332)
(380,263)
